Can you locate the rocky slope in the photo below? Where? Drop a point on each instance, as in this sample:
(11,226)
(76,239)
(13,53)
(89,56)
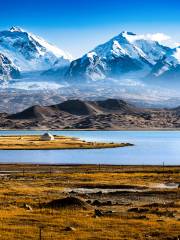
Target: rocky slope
(8,70)
(168,67)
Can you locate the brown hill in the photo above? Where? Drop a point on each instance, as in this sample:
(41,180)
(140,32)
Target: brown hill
(104,114)
(34,112)
(116,106)
(77,107)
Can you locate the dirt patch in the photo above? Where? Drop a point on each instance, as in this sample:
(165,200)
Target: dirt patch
(102,190)
(114,186)
(166,185)
(163,205)
(68,202)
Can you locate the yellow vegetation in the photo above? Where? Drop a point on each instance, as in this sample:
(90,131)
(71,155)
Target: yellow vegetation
(36,184)
(34,142)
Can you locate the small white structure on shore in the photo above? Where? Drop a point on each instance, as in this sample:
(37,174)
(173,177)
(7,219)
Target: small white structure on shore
(47,137)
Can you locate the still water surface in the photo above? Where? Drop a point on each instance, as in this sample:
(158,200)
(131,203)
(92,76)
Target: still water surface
(151,147)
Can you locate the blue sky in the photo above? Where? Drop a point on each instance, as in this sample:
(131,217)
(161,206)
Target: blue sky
(79,25)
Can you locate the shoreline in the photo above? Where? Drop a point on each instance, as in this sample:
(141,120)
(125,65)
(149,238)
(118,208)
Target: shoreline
(4,164)
(92,130)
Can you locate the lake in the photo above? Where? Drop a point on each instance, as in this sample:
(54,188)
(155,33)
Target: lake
(151,148)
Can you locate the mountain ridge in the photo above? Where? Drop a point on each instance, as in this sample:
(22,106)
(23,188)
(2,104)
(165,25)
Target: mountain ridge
(126,66)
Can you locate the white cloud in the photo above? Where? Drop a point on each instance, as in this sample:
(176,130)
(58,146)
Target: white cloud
(159,37)
(177,44)
(163,39)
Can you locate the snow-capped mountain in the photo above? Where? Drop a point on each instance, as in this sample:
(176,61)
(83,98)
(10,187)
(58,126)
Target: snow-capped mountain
(7,69)
(124,56)
(29,52)
(125,53)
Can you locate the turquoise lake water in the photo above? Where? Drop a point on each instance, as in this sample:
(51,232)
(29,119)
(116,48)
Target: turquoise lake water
(151,148)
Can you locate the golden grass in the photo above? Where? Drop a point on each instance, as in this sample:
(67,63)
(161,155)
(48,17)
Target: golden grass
(34,142)
(34,185)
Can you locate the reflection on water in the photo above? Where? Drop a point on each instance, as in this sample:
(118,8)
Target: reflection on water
(151,147)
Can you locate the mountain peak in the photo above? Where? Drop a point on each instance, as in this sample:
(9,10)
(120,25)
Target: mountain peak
(128,33)
(16,29)
(126,36)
